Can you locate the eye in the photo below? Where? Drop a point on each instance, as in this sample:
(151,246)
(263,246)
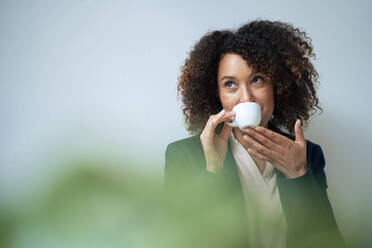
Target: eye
(229,84)
(258,79)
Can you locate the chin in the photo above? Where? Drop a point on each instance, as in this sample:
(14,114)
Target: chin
(264,124)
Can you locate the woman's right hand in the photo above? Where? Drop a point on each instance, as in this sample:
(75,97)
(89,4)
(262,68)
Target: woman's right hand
(215,145)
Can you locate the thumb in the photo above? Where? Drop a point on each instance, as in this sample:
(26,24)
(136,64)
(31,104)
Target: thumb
(298,132)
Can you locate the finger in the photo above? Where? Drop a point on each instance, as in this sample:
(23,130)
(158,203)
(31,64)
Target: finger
(257,154)
(258,146)
(224,134)
(261,138)
(226,130)
(300,138)
(222,116)
(277,138)
(209,130)
(205,136)
(228,117)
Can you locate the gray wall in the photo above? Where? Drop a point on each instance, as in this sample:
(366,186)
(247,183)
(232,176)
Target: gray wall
(98,78)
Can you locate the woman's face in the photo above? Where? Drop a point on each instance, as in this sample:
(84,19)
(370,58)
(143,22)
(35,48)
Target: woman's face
(237,83)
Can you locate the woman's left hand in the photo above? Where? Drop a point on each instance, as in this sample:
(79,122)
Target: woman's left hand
(286,155)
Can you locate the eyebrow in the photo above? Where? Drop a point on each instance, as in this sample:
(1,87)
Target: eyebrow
(227,77)
(232,77)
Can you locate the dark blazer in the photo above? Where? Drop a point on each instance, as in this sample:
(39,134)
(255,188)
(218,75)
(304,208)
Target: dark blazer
(309,216)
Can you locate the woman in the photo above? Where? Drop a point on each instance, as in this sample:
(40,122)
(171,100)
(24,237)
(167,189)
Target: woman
(280,175)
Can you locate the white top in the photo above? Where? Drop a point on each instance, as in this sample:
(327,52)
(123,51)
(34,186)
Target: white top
(266,221)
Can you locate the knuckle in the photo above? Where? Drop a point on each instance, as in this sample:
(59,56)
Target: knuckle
(270,135)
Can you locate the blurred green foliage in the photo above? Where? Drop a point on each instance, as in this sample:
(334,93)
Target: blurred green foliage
(98,206)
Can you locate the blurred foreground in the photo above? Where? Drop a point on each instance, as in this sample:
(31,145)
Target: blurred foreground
(98,206)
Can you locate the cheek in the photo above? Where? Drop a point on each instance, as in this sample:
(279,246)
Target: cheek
(268,95)
(265,98)
(269,102)
(272,99)
(228,101)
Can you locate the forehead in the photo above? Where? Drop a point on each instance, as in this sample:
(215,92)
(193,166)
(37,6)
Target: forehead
(234,65)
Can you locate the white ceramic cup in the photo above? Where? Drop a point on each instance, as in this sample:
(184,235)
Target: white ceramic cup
(247,114)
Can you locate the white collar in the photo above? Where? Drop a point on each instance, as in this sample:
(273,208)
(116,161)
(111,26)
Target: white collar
(241,154)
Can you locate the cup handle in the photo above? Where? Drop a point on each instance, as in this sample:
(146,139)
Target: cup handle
(232,124)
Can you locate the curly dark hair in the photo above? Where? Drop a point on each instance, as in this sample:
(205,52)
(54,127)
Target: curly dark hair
(276,49)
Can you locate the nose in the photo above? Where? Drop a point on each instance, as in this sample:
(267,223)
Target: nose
(246,95)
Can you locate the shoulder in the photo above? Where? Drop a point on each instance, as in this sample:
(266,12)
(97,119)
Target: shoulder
(185,152)
(187,145)
(315,158)
(189,141)
(184,157)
